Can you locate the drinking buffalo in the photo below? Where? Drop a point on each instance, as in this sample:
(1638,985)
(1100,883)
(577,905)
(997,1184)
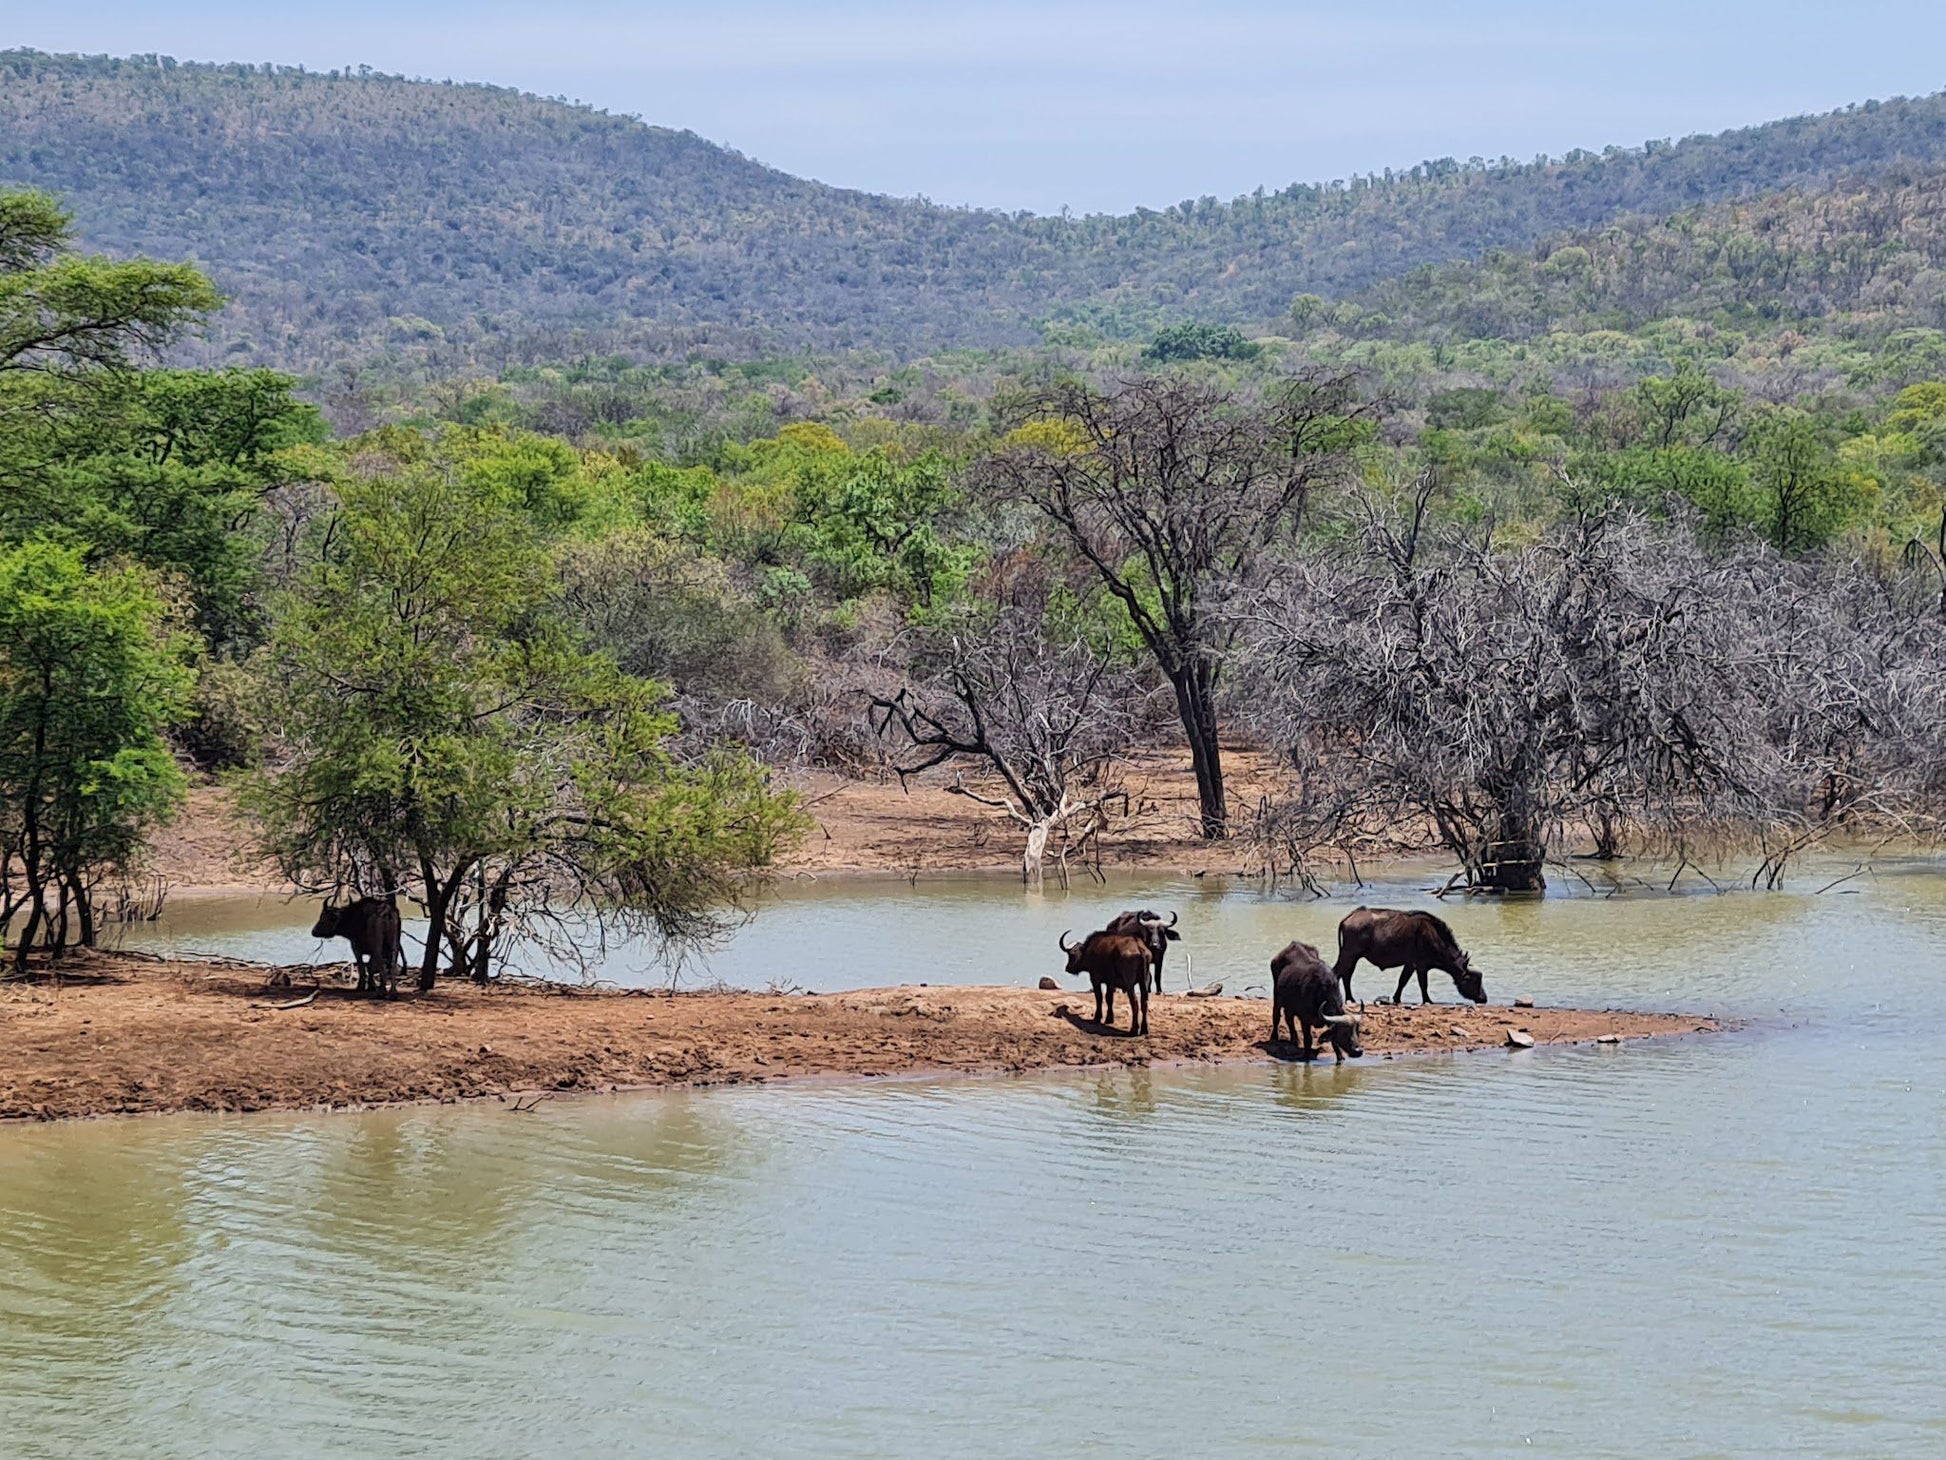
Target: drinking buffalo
(371,926)
(1114,961)
(1155,934)
(1305,994)
(1411,942)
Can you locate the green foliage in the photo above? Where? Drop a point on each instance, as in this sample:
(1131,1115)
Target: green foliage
(91,676)
(1178,342)
(440,728)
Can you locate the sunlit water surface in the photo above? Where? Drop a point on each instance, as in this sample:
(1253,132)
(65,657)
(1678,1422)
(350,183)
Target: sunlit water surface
(1725,1245)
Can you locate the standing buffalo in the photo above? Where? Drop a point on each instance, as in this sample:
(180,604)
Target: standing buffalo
(1155,934)
(371,926)
(1411,942)
(1305,994)
(1114,961)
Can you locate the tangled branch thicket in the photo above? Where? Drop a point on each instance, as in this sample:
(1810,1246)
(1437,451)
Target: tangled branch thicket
(1611,686)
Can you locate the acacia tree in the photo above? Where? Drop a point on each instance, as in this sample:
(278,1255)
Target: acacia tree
(1047,711)
(437,730)
(1171,491)
(90,678)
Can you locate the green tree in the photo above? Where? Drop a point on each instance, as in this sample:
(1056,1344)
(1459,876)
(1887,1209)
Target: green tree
(1805,496)
(91,675)
(442,733)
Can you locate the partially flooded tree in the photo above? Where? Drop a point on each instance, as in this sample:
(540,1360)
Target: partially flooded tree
(437,730)
(1170,490)
(1611,679)
(1048,713)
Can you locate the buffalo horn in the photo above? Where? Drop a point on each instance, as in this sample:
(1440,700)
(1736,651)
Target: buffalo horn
(1063,940)
(1352,1019)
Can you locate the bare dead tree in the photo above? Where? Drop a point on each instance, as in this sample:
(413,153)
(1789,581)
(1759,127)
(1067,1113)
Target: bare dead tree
(1612,678)
(1169,490)
(1049,719)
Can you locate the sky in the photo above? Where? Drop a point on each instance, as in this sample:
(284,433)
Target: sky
(1089,106)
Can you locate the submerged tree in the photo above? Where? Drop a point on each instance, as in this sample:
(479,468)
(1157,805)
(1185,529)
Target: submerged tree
(438,731)
(91,676)
(1171,491)
(1611,678)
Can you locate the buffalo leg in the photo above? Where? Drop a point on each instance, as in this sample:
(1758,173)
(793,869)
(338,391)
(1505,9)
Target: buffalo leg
(1425,994)
(1305,1029)
(1142,990)
(1109,1022)
(1097,1002)
(1344,971)
(1405,977)
(1276,1020)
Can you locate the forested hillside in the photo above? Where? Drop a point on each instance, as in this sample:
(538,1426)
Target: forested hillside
(349,213)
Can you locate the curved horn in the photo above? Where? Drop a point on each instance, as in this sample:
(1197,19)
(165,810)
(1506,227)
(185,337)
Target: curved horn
(1343,1019)
(1149,920)
(1063,940)
(1173,915)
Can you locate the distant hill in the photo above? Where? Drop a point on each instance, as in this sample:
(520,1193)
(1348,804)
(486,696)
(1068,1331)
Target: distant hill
(352,214)
(1863,257)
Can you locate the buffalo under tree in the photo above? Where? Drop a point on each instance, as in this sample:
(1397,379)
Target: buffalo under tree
(1306,996)
(1114,961)
(1172,490)
(1413,943)
(1155,933)
(371,926)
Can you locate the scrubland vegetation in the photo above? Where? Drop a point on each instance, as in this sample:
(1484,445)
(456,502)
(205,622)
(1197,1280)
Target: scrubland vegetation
(1628,539)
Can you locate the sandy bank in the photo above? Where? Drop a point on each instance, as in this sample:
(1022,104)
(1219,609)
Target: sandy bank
(125,1035)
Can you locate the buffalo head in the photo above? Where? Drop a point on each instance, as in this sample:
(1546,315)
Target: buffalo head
(1343,1032)
(327,923)
(1467,981)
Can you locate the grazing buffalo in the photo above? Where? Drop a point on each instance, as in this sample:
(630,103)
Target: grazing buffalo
(1155,934)
(1114,961)
(1411,942)
(1305,994)
(371,926)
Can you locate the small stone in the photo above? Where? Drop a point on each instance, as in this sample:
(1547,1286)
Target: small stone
(1523,1003)
(1459,1029)
(1519,1039)
(1048,983)
(1608,1039)
(486,1049)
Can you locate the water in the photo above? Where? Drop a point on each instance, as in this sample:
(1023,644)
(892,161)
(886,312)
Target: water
(1711,1246)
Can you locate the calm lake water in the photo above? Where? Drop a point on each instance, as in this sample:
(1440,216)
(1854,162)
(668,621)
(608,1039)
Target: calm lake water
(1708,1246)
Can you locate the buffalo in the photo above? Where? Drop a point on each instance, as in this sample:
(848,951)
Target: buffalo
(1155,934)
(371,926)
(1413,943)
(1114,961)
(1305,994)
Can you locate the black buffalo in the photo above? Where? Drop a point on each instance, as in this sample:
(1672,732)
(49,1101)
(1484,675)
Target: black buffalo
(371,926)
(1412,942)
(1114,961)
(1156,936)
(1305,994)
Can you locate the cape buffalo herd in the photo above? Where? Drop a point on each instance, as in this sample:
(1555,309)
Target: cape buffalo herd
(1306,993)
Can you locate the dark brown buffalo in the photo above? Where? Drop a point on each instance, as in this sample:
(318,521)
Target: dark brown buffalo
(1413,943)
(1114,961)
(1156,936)
(1305,994)
(371,926)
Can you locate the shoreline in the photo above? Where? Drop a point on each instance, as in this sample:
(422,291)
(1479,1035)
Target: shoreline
(125,1035)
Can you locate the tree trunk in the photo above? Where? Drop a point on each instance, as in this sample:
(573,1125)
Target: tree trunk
(1196,703)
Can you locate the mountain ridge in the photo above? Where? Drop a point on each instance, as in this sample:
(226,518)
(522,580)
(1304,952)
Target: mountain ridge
(354,213)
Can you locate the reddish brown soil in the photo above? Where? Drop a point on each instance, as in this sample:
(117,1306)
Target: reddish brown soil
(868,826)
(122,1034)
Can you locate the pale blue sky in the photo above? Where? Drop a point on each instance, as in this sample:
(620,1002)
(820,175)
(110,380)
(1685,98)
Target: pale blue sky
(1096,106)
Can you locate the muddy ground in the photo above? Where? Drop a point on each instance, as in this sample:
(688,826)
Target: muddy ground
(124,1034)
